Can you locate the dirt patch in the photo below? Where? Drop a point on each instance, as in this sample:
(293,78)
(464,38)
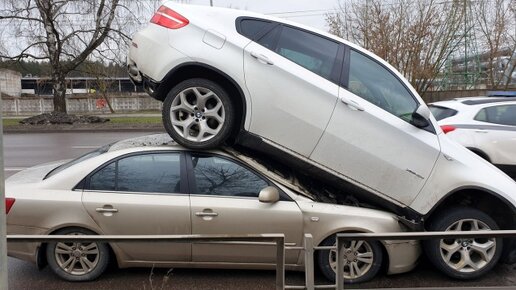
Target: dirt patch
(62,118)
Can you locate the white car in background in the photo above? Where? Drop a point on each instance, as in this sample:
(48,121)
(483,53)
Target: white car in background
(335,111)
(484,125)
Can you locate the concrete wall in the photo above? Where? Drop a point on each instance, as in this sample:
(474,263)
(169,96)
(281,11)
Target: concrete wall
(82,104)
(10,82)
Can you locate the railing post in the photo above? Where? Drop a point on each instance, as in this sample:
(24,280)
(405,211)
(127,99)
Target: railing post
(309,262)
(280,263)
(339,271)
(3,223)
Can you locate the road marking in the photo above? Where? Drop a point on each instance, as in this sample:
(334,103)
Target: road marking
(15,168)
(85,147)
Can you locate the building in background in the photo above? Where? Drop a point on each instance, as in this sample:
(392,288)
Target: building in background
(10,82)
(79,85)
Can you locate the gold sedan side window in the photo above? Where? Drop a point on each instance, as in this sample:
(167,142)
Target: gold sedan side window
(153,173)
(218,176)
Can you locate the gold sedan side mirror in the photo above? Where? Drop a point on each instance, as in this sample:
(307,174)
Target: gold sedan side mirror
(270,194)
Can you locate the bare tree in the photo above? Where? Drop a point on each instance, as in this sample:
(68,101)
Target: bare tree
(415,36)
(65,33)
(496,21)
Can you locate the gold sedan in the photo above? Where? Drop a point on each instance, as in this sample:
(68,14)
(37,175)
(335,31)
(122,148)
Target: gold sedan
(149,186)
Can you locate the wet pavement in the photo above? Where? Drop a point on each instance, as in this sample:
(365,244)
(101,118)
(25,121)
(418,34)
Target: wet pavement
(23,150)
(23,275)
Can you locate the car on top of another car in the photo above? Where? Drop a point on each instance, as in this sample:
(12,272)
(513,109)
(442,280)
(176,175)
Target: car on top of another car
(329,108)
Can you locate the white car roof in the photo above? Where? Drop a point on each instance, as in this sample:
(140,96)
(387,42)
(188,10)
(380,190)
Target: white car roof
(474,102)
(467,108)
(214,12)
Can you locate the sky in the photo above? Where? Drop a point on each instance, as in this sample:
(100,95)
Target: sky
(308,12)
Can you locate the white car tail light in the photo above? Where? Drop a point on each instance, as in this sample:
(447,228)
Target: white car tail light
(168,18)
(448,128)
(8,204)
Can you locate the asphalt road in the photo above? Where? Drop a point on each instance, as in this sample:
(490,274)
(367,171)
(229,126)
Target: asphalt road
(25,150)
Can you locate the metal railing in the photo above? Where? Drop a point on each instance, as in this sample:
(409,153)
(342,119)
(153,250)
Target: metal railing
(278,240)
(341,238)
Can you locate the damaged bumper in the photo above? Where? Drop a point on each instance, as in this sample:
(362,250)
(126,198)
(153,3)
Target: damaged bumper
(403,255)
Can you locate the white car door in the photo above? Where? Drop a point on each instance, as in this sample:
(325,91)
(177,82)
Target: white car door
(369,138)
(494,132)
(291,76)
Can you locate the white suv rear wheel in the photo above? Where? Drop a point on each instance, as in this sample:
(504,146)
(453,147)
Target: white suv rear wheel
(198,114)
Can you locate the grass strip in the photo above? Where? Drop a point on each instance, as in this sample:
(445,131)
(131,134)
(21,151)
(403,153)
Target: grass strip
(135,120)
(11,122)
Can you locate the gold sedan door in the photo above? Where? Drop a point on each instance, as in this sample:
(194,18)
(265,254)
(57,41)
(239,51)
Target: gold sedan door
(140,195)
(224,200)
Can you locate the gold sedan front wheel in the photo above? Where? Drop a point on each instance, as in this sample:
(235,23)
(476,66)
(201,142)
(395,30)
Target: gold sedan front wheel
(362,260)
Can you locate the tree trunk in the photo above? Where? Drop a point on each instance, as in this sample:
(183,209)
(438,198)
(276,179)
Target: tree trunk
(104,95)
(59,82)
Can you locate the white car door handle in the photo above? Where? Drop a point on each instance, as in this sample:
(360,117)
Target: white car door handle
(482,131)
(102,209)
(200,213)
(352,104)
(261,58)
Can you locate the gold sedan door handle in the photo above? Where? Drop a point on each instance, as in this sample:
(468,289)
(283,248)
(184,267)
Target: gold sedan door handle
(106,210)
(207,214)
(201,213)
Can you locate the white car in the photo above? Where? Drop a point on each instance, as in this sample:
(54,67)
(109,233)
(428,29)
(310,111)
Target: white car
(330,108)
(484,125)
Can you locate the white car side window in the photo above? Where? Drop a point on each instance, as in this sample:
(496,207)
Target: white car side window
(308,50)
(503,115)
(374,83)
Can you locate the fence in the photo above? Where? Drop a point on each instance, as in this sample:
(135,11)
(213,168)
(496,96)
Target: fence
(85,103)
(279,241)
(133,102)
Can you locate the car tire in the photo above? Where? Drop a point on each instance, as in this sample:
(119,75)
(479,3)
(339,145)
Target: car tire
(77,261)
(366,257)
(198,114)
(464,258)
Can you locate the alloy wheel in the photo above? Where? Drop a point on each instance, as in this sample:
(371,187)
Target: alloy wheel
(197,114)
(358,259)
(468,254)
(77,258)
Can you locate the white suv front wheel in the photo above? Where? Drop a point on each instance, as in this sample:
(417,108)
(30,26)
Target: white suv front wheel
(465,258)
(198,114)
